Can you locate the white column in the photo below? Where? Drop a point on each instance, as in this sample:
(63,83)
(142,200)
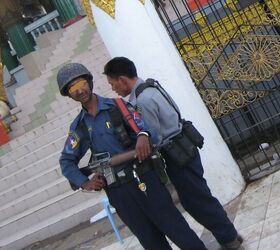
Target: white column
(137,33)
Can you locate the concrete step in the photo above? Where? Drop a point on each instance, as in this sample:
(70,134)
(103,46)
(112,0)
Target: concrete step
(58,60)
(76,27)
(41,131)
(37,155)
(14,191)
(37,225)
(39,165)
(31,170)
(32,88)
(57,185)
(41,212)
(67,43)
(34,171)
(35,144)
(24,117)
(36,85)
(63,47)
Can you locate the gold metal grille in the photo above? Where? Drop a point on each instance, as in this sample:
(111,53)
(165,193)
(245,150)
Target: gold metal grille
(255,59)
(222,102)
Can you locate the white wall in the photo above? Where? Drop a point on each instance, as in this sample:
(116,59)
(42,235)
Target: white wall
(137,33)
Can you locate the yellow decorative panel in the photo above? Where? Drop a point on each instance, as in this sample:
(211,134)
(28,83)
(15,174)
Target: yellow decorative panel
(200,18)
(106,5)
(88,10)
(3,96)
(230,26)
(232,4)
(222,31)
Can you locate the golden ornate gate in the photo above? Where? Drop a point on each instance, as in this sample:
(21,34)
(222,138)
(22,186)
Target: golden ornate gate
(232,51)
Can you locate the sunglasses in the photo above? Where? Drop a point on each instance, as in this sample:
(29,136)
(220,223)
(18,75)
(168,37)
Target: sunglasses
(76,86)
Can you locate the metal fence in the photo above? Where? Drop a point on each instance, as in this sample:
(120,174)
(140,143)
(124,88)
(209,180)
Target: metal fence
(232,49)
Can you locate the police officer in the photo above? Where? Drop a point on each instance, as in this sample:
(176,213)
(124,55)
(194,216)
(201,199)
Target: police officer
(162,114)
(150,215)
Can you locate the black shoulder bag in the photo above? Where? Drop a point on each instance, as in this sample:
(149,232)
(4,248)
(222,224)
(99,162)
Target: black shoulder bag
(182,148)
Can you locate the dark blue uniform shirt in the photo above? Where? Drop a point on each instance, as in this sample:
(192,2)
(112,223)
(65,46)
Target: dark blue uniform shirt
(102,139)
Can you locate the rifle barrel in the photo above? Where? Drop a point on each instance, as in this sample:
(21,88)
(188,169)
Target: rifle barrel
(123,157)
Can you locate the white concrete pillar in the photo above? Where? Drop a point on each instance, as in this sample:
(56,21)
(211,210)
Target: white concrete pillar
(137,33)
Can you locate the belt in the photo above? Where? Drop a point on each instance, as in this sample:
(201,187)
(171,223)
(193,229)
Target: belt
(126,175)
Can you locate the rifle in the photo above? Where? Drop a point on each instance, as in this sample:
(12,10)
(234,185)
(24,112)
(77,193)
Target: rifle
(104,163)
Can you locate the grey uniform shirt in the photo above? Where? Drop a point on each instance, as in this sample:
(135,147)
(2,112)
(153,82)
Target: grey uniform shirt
(157,112)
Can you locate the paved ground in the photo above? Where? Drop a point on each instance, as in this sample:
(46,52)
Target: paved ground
(256,214)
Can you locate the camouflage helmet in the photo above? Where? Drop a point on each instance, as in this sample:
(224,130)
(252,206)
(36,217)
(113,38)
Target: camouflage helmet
(70,72)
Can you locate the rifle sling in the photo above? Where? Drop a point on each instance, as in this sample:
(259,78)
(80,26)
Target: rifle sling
(126,115)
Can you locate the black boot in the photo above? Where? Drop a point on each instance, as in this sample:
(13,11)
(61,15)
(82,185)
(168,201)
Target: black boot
(234,244)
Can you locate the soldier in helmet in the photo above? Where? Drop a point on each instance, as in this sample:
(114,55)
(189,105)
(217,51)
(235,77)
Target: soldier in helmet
(150,215)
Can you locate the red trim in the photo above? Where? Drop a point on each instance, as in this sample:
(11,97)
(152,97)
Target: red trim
(196,4)
(4,137)
(72,20)
(126,114)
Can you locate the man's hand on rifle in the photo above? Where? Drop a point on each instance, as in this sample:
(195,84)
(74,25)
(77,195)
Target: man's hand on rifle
(97,182)
(143,147)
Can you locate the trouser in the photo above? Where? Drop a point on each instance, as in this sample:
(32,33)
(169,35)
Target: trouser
(150,217)
(196,198)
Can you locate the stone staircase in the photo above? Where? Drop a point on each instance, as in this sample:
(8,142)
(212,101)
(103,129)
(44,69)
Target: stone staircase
(71,36)
(36,201)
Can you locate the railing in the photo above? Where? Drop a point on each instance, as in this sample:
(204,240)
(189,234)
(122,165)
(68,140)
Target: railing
(45,24)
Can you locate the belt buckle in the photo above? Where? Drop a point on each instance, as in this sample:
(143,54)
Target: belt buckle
(121,174)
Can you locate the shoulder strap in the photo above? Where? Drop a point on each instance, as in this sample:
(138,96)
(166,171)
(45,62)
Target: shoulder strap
(116,116)
(147,84)
(155,84)
(120,126)
(126,114)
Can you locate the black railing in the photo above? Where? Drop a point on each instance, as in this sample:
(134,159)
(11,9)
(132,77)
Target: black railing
(232,53)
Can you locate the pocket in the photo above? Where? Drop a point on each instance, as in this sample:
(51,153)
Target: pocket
(109,131)
(158,163)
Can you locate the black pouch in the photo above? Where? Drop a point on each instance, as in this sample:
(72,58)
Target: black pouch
(154,162)
(180,150)
(192,133)
(159,165)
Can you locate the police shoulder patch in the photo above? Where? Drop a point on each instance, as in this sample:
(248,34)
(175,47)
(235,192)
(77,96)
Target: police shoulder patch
(73,139)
